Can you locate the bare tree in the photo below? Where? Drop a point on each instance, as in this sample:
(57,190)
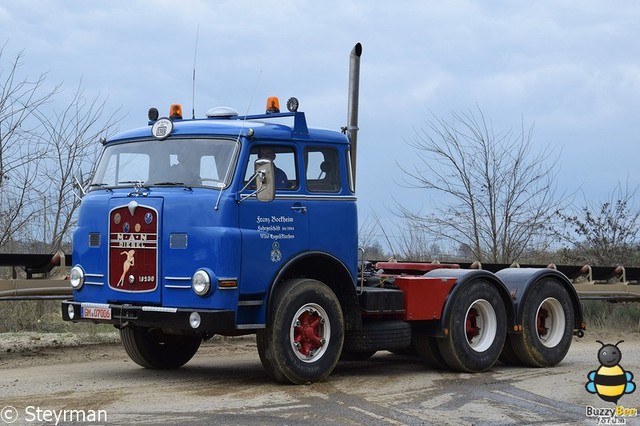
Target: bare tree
(42,150)
(603,233)
(17,205)
(20,147)
(72,140)
(413,244)
(497,195)
(369,233)
(405,241)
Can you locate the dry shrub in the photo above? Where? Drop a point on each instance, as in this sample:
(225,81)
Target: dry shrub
(603,315)
(45,316)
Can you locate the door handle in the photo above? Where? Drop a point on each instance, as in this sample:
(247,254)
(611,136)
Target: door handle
(297,207)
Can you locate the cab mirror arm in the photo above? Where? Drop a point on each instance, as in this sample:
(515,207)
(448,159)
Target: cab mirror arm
(264,181)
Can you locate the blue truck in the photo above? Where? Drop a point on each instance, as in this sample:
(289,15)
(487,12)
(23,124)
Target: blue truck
(236,225)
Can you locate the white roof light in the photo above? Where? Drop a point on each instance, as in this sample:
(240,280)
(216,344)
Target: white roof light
(222,112)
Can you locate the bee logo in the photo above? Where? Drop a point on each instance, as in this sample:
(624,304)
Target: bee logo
(610,381)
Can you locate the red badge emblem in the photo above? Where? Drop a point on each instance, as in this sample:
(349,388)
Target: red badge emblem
(133,248)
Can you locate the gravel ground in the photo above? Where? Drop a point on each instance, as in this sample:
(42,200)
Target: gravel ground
(226,384)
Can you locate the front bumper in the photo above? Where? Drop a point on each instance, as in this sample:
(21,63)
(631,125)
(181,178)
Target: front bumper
(211,321)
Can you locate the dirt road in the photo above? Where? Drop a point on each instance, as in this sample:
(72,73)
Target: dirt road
(226,384)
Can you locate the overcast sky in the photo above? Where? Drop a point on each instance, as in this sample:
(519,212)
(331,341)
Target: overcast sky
(571,68)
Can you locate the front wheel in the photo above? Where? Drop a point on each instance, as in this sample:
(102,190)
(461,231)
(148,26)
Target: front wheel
(548,319)
(303,340)
(477,328)
(152,348)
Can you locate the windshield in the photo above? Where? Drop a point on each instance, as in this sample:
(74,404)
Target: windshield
(173,162)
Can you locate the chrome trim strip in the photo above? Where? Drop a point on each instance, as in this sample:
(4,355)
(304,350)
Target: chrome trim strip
(306,197)
(249,326)
(94,305)
(250,303)
(159,309)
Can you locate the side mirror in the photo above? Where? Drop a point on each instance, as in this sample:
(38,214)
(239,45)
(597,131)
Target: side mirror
(265,180)
(77,185)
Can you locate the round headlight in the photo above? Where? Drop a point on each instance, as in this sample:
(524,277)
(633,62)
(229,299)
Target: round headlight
(195,320)
(201,282)
(71,311)
(76,277)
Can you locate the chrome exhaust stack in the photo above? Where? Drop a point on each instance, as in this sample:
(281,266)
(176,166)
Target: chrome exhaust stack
(352,107)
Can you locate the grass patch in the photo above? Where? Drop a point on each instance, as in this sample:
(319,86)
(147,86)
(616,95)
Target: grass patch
(602,315)
(45,316)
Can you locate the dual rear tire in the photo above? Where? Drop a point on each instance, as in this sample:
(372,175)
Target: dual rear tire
(547,320)
(476,330)
(476,335)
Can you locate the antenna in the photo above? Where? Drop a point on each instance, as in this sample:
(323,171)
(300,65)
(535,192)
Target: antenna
(193,89)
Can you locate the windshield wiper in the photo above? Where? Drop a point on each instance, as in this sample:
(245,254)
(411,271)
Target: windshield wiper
(137,183)
(169,184)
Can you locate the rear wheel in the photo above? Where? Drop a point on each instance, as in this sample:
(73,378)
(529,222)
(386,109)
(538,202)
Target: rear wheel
(427,348)
(477,328)
(304,338)
(152,348)
(548,319)
(508,355)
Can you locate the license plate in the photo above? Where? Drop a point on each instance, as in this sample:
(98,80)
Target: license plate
(94,312)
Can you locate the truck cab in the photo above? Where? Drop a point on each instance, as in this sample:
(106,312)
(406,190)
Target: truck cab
(173,219)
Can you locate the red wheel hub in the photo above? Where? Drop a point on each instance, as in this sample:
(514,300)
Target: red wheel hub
(306,333)
(543,314)
(472,324)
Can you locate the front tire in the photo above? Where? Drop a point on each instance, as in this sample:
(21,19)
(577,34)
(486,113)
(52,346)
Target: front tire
(548,319)
(152,348)
(477,328)
(303,340)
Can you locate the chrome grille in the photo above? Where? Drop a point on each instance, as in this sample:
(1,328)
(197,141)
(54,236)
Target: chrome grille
(94,239)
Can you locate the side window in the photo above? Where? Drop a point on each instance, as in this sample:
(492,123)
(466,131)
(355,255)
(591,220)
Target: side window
(284,161)
(322,170)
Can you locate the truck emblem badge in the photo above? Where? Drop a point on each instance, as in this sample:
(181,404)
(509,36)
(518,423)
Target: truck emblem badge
(162,128)
(276,256)
(132,206)
(128,263)
(133,248)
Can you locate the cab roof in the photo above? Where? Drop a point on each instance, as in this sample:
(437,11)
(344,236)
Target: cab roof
(276,126)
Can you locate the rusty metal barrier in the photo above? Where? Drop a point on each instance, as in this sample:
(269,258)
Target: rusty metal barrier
(35,276)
